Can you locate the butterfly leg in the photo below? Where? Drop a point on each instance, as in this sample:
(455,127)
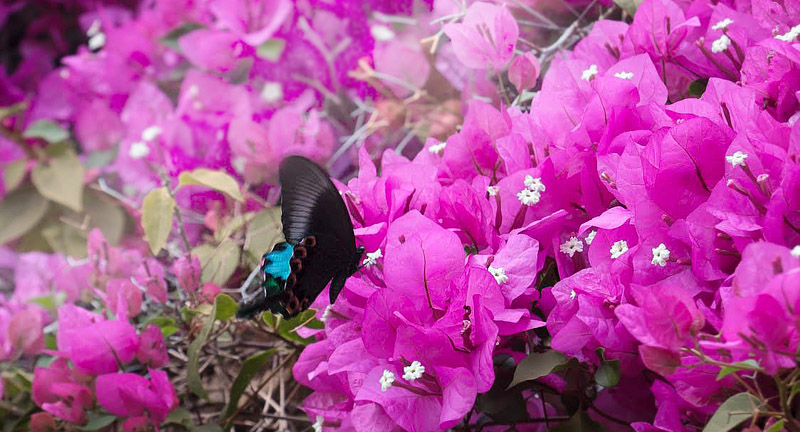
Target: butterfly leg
(309,241)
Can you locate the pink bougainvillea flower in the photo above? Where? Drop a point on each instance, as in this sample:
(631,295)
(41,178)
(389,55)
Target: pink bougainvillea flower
(187,270)
(123,298)
(524,71)
(213,50)
(486,38)
(152,349)
(93,344)
(129,394)
(57,391)
(43,422)
(150,275)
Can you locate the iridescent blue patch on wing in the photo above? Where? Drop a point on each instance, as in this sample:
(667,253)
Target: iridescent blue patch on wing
(276,263)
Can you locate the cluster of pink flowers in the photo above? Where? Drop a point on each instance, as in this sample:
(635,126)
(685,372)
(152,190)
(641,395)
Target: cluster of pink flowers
(644,210)
(675,228)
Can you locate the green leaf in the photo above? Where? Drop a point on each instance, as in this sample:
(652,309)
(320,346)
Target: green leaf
(263,232)
(536,366)
(160,321)
(777,426)
(101,158)
(47,130)
(226,307)
(220,265)
(608,374)
(20,211)
(579,422)
(171,38)
(628,6)
(180,416)
(168,331)
(288,328)
(216,180)
(50,302)
(98,423)
(14,173)
(272,49)
(208,428)
(193,372)
(66,239)
(698,87)
(250,368)
(157,211)
(61,179)
(734,411)
(735,367)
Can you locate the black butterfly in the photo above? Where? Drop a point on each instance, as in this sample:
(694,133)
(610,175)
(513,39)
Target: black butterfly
(320,246)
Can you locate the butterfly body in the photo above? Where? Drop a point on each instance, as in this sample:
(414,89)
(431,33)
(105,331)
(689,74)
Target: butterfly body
(319,244)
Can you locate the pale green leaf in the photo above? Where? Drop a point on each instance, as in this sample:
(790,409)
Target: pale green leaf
(66,239)
(226,307)
(20,211)
(608,374)
(777,426)
(98,423)
(47,130)
(628,6)
(536,366)
(250,368)
(222,263)
(61,179)
(193,370)
(734,411)
(272,49)
(263,232)
(171,38)
(157,211)
(216,180)
(734,367)
(180,416)
(13,174)
(579,422)
(208,428)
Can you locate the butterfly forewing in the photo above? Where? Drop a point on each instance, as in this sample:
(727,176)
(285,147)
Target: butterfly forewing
(312,207)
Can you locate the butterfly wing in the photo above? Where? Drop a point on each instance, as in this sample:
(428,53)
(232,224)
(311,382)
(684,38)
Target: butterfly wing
(313,208)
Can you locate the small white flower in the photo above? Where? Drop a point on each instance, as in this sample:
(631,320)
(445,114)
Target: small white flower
(151,133)
(318,424)
(534,184)
(138,150)
(326,313)
(413,371)
(528,197)
(572,295)
(272,92)
(624,75)
(619,248)
(239,163)
(737,159)
(94,29)
(660,255)
(720,44)
(791,35)
(97,41)
(492,190)
(194,91)
(64,73)
(571,246)
(372,258)
(386,380)
(381,33)
(437,149)
(796,251)
(499,274)
(588,74)
(722,24)
(590,238)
